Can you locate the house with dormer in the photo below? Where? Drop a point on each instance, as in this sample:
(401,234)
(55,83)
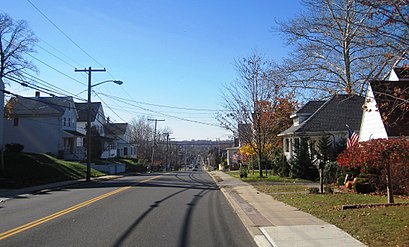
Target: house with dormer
(119,134)
(386,109)
(324,117)
(97,116)
(44,125)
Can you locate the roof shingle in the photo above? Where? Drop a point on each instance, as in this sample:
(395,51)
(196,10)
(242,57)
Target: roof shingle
(333,115)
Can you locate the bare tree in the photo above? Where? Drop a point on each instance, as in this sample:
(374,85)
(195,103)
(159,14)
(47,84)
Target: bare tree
(334,48)
(141,134)
(16,40)
(392,21)
(249,104)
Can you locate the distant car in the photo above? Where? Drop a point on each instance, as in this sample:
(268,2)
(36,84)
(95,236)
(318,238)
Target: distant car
(194,169)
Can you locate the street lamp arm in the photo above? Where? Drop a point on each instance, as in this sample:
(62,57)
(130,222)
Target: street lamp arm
(102,82)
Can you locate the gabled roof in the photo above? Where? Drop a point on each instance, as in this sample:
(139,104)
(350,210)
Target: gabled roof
(391,98)
(82,111)
(115,129)
(39,106)
(333,115)
(310,107)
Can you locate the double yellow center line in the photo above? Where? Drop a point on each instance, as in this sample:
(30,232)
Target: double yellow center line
(35,223)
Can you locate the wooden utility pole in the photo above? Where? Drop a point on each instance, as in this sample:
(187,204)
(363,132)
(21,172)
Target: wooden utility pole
(89,70)
(167,149)
(154,140)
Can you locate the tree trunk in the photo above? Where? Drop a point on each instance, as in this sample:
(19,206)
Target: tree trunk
(260,169)
(252,164)
(321,180)
(389,188)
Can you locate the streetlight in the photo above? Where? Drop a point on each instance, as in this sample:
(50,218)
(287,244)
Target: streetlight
(89,123)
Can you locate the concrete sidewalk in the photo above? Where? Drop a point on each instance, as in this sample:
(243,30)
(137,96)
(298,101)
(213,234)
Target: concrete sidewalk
(273,223)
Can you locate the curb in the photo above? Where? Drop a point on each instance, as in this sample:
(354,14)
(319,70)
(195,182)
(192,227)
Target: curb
(258,236)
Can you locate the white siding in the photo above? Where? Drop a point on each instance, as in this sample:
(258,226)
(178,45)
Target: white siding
(371,126)
(71,119)
(38,135)
(393,76)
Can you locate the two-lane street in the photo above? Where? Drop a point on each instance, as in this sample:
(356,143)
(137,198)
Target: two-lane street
(162,209)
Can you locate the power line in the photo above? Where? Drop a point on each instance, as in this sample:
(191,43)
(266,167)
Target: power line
(170,116)
(164,106)
(62,53)
(109,107)
(39,80)
(51,67)
(49,91)
(61,31)
(52,54)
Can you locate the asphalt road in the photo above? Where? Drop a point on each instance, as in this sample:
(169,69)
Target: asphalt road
(167,209)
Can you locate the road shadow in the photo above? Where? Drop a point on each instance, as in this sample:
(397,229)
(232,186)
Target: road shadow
(184,185)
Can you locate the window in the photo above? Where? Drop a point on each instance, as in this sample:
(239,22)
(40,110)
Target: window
(287,145)
(64,123)
(15,122)
(125,151)
(69,121)
(297,142)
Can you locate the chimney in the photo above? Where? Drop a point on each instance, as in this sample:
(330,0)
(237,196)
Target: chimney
(37,94)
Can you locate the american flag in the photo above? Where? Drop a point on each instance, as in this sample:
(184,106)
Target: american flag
(352,138)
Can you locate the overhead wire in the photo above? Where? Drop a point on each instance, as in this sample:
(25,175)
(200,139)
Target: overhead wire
(163,106)
(48,91)
(62,53)
(109,107)
(51,67)
(168,115)
(122,100)
(66,35)
(42,81)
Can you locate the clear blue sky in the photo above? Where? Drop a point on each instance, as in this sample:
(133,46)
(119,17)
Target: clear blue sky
(168,53)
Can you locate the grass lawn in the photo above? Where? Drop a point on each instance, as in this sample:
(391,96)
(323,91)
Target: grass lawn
(28,169)
(270,178)
(131,165)
(378,226)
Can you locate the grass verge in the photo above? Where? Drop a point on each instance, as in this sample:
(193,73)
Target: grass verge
(28,169)
(270,178)
(132,165)
(379,226)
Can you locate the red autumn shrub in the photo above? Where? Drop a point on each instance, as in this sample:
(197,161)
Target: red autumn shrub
(373,158)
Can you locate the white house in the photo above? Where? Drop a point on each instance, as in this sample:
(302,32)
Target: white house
(119,134)
(385,112)
(318,118)
(97,118)
(44,125)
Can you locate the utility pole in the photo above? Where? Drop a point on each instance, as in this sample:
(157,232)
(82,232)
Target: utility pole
(154,140)
(89,71)
(167,149)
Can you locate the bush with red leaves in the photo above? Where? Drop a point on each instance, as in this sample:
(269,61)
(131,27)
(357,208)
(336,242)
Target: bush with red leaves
(373,158)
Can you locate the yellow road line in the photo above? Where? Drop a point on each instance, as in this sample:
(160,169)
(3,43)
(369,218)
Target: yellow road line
(43,220)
